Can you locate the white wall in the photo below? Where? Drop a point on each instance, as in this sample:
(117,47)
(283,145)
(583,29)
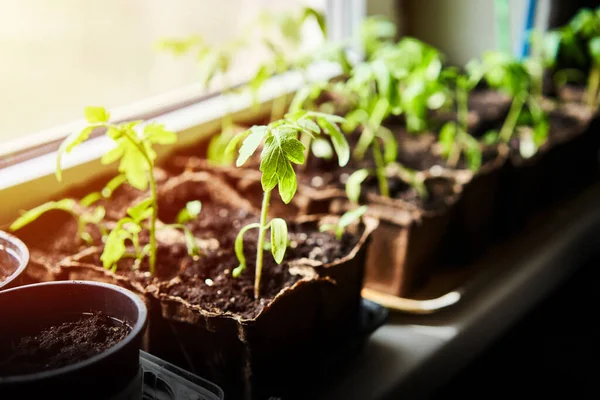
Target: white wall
(463,29)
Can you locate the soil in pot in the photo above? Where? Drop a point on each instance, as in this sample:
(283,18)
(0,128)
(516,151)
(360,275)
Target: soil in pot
(61,345)
(209,282)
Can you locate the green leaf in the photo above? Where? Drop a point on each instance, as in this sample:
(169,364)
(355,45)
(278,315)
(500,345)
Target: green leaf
(239,248)
(251,143)
(318,16)
(594,48)
(351,216)
(189,212)
(490,138)
(114,247)
(96,216)
(280,149)
(68,144)
(261,76)
(135,166)
(473,153)
(67,205)
(321,148)
(382,77)
(114,154)
(300,98)
(141,211)
(191,244)
(390,146)
(447,138)
(96,115)
(309,125)
(156,133)
(342,149)
(353,189)
(336,119)
(279,239)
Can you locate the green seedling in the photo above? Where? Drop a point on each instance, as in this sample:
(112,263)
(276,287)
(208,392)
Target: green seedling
(579,43)
(454,137)
(136,163)
(83,216)
(281,150)
(347,219)
(408,176)
(501,71)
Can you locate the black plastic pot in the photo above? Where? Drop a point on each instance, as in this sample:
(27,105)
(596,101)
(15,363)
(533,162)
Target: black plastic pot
(14,256)
(112,374)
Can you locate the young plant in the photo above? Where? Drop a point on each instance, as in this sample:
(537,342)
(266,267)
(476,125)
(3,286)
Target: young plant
(344,221)
(136,156)
(454,137)
(578,43)
(501,71)
(215,62)
(83,215)
(281,150)
(408,176)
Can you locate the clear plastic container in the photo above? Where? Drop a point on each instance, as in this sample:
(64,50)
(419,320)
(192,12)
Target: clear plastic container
(165,381)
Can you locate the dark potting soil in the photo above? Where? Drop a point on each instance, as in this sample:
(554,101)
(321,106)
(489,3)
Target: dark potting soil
(61,345)
(439,192)
(209,282)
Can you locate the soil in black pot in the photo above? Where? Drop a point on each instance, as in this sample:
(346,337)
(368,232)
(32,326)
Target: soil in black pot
(61,345)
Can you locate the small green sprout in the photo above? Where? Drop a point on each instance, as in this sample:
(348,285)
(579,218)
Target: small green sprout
(347,219)
(83,216)
(454,137)
(281,150)
(503,72)
(408,176)
(136,156)
(190,212)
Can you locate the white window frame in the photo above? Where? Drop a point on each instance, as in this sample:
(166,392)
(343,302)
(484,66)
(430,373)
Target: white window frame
(182,111)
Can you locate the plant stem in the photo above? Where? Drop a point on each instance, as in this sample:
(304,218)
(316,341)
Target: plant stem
(593,87)
(508,127)
(153,193)
(262,230)
(306,141)
(462,116)
(384,189)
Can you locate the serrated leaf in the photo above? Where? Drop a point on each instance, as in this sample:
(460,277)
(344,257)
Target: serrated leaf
(279,239)
(156,133)
(134,166)
(342,149)
(594,48)
(96,115)
(280,149)
(28,217)
(251,143)
(321,148)
(353,184)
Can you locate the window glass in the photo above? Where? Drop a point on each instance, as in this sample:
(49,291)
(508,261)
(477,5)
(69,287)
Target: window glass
(61,55)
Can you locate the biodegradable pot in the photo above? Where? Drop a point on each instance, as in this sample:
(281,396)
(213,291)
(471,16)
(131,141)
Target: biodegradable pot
(404,246)
(112,374)
(472,225)
(14,257)
(263,356)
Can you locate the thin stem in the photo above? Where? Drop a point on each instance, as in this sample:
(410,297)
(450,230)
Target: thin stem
(508,127)
(462,111)
(306,141)
(262,230)
(593,87)
(154,195)
(384,189)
